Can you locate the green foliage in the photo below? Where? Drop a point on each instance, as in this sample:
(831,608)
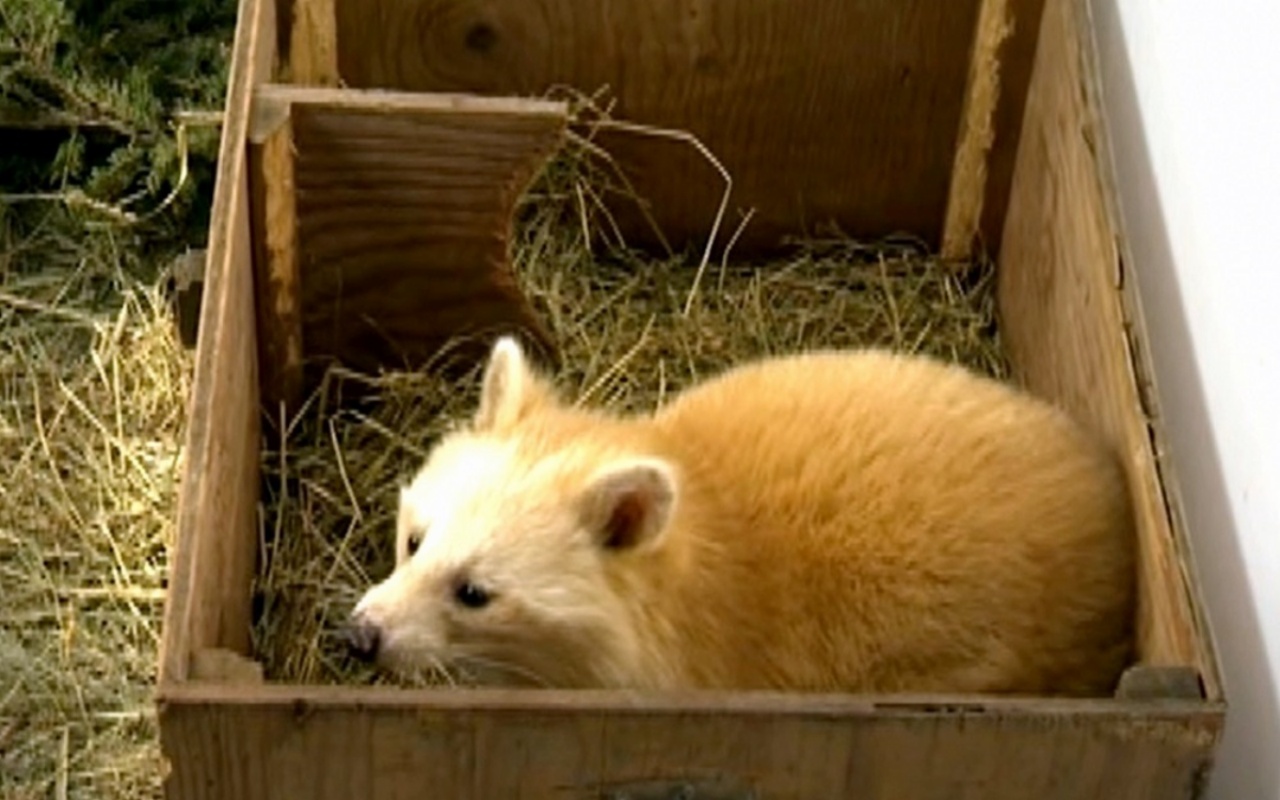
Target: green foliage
(91,92)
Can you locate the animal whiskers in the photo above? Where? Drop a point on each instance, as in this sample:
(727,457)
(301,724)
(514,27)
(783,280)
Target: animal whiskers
(471,662)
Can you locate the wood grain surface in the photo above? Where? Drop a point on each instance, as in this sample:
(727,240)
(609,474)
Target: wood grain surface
(1016,57)
(1064,323)
(313,43)
(821,110)
(404,211)
(258,742)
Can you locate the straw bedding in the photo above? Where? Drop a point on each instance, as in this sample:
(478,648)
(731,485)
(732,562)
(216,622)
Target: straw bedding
(632,330)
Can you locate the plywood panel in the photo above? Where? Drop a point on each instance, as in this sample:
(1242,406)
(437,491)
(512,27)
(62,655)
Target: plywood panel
(820,109)
(404,212)
(210,571)
(1062,301)
(323,742)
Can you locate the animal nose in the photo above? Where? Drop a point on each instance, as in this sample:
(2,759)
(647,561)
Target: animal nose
(363,638)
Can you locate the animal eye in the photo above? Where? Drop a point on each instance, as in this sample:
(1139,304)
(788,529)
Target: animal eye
(413,542)
(470,596)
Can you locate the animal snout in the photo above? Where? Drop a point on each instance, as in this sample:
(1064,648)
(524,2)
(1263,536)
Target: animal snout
(363,638)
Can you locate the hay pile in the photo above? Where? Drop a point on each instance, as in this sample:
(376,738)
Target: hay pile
(108,143)
(93,391)
(331,488)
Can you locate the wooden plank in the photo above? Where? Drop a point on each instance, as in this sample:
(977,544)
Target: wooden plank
(982,95)
(1017,57)
(821,110)
(276,270)
(322,742)
(404,213)
(728,755)
(1137,340)
(313,43)
(211,564)
(995,98)
(1064,321)
(515,753)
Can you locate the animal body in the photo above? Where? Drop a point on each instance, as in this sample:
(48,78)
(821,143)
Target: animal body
(833,521)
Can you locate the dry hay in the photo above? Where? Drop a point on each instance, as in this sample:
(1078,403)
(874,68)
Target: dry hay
(93,392)
(331,488)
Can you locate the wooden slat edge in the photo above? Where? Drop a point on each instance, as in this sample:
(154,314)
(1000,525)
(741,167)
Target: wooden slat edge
(1004,52)
(1136,338)
(973,145)
(273,97)
(276,271)
(1064,320)
(1017,59)
(251,61)
(247,743)
(313,43)
(678,702)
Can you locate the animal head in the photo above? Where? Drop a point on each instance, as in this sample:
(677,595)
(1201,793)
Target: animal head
(513,540)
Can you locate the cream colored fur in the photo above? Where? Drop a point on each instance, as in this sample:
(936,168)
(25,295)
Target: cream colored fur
(853,521)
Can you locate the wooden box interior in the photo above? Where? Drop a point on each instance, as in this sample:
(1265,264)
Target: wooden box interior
(968,122)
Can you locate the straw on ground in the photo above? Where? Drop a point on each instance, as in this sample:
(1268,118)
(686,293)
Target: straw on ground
(93,390)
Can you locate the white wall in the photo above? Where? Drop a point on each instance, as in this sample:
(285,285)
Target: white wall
(1193,94)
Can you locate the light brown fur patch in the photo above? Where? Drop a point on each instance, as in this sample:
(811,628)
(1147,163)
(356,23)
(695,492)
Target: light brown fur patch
(853,521)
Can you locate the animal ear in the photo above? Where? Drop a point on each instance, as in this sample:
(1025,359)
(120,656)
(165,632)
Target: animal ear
(629,504)
(511,388)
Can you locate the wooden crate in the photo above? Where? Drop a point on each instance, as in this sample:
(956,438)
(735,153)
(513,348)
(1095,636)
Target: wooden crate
(338,208)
